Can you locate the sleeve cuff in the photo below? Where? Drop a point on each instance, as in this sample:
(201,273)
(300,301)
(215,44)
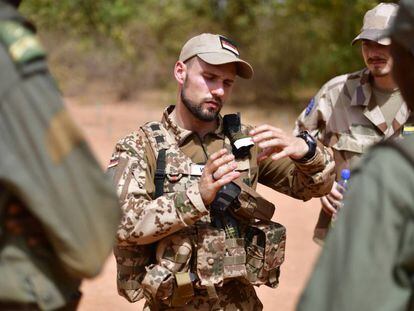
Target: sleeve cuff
(314,164)
(193,194)
(190,205)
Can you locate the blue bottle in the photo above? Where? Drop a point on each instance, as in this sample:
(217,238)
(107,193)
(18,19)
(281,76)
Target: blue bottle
(342,186)
(343,182)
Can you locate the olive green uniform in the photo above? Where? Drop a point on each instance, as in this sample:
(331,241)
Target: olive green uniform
(368,261)
(58,212)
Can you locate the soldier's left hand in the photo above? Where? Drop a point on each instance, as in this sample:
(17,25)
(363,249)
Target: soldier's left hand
(277,144)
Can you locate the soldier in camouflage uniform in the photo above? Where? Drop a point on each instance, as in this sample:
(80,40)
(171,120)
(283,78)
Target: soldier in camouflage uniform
(352,112)
(58,212)
(368,260)
(191,264)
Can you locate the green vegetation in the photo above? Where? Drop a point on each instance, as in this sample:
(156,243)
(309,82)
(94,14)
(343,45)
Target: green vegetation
(293,45)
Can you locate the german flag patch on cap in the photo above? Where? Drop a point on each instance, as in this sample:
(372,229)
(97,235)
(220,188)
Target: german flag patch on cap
(229,46)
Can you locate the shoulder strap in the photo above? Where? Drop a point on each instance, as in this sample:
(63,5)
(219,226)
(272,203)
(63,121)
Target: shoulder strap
(156,135)
(20,41)
(158,140)
(160,174)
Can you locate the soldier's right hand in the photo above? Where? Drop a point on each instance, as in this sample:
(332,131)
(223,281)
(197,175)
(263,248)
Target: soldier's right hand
(333,201)
(218,171)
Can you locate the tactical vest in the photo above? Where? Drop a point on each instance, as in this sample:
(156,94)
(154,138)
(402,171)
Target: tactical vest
(201,257)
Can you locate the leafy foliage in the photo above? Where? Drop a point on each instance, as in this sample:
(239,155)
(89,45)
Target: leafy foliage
(292,44)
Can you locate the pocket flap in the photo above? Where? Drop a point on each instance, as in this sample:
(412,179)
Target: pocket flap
(210,255)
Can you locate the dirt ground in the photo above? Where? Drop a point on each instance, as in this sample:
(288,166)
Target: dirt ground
(103,124)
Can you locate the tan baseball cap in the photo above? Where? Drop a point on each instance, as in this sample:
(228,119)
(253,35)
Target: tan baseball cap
(376,22)
(216,50)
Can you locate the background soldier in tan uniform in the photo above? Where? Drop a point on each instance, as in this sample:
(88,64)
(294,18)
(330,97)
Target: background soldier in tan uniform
(368,260)
(197,164)
(354,111)
(58,212)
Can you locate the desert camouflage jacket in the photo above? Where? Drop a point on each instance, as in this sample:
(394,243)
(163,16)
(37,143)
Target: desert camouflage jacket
(344,116)
(146,220)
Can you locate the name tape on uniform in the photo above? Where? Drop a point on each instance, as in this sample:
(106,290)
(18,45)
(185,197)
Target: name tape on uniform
(196,169)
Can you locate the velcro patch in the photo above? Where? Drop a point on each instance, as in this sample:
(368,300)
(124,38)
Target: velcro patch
(113,162)
(196,169)
(408,130)
(229,46)
(310,107)
(22,43)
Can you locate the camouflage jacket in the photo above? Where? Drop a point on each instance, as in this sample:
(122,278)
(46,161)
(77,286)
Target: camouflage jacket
(145,220)
(344,116)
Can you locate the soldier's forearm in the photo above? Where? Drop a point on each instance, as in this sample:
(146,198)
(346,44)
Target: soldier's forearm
(315,177)
(146,221)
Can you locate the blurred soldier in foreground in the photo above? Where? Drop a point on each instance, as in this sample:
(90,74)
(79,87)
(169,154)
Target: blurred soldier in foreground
(354,111)
(368,260)
(195,234)
(58,213)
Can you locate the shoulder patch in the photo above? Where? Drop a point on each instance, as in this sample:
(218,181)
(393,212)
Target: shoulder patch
(21,42)
(310,106)
(408,129)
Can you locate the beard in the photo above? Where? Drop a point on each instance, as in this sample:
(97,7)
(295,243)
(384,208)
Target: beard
(380,71)
(197,110)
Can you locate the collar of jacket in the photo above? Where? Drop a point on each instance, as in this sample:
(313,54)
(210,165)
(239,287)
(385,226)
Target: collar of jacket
(180,134)
(362,97)
(363,91)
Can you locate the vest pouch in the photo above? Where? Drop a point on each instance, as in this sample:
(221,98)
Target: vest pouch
(265,250)
(174,253)
(251,205)
(158,284)
(235,259)
(210,255)
(131,269)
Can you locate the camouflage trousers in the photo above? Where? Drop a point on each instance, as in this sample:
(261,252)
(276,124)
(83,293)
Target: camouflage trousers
(233,296)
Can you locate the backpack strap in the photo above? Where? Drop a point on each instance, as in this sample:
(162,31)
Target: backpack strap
(157,137)
(160,174)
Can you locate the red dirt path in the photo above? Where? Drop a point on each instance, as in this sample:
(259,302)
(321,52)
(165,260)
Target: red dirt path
(104,124)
